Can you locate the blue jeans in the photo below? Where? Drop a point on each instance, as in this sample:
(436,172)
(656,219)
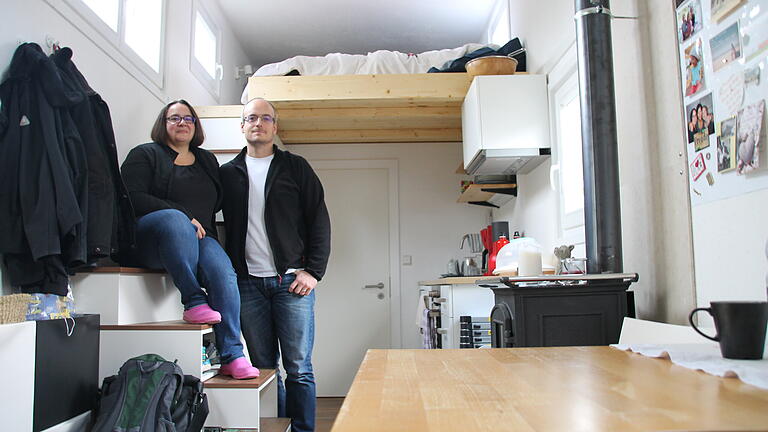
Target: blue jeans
(167,239)
(270,315)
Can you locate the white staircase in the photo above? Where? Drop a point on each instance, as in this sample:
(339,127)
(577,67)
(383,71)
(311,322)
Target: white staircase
(140,311)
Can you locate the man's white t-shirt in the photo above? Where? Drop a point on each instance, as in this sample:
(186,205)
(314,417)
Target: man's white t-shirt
(258,253)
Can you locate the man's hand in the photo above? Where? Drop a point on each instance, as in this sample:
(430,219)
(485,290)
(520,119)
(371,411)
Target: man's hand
(304,283)
(199,228)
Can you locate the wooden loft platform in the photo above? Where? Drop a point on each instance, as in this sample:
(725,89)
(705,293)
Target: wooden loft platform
(360,108)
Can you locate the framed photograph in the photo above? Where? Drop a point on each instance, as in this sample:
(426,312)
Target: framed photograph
(748,139)
(694,68)
(700,121)
(725,47)
(726,146)
(722,8)
(689,20)
(698,166)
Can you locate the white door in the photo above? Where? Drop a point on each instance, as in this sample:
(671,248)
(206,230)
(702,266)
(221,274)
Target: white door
(356,301)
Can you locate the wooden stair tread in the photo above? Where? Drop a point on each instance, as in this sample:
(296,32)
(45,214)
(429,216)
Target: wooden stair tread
(132,270)
(274,424)
(224,381)
(158,325)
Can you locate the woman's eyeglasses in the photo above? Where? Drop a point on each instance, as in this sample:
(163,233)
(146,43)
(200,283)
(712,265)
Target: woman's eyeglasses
(177,119)
(253,118)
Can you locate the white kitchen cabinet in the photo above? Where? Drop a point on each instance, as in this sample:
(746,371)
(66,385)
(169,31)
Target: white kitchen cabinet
(505,124)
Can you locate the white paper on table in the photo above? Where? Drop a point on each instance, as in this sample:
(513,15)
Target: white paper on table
(706,357)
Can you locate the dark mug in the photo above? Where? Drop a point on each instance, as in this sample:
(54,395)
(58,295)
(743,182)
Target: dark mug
(740,328)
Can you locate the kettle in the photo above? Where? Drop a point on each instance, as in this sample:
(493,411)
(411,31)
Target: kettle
(469,267)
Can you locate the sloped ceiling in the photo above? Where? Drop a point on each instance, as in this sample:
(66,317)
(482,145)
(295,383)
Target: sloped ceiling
(271,31)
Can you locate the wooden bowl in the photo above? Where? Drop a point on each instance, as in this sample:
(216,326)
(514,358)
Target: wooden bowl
(491,65)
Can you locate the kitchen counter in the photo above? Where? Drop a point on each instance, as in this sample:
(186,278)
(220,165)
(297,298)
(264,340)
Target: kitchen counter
(458,280)
(596,388)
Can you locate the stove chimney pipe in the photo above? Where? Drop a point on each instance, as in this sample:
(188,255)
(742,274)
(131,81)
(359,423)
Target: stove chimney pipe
(602,205)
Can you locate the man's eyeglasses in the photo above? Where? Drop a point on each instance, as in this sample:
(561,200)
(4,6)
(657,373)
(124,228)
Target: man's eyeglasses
(253,118)
(177,119)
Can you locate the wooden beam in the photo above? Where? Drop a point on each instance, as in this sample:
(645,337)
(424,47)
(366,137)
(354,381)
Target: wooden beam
(370,136)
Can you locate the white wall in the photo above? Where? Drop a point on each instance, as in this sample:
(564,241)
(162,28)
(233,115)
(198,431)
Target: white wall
(654,204)
(133,106)
(431,221)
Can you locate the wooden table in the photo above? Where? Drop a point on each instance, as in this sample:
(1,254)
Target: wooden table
(542,389)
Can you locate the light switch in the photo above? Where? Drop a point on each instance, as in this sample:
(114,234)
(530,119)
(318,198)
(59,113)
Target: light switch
(407,260)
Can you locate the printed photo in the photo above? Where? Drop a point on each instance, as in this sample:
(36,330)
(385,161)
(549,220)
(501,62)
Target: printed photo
(689,19)
(726,145)
(725,47)
(700,122)
(755,34)
(721,8)
(748,130)
(694,68)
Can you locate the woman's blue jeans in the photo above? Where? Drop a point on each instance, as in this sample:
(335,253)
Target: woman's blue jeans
(167,239)
(277,323)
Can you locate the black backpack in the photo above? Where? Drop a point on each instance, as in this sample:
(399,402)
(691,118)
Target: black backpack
(150,394)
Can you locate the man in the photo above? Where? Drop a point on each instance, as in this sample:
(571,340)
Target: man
(278,236)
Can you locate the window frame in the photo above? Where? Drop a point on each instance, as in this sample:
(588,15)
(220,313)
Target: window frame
(212,85)
(564,85)
(501,11)
(117,48)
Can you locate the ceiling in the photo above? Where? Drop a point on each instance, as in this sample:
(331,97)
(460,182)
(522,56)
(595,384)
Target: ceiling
(271,31)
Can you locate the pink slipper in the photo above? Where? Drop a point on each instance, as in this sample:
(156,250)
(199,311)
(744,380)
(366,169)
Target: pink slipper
(202,314)
(239,368)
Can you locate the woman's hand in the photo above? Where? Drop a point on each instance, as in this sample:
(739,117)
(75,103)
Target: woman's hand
(199,228)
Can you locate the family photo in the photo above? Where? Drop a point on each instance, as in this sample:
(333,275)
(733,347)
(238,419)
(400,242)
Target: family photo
(689,20)
(700,123)
(726,145)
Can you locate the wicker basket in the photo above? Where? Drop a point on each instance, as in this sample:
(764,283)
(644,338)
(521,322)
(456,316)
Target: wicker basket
(13,308)
(491,65)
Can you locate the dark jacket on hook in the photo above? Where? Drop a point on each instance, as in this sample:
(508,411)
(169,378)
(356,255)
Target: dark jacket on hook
(41,176)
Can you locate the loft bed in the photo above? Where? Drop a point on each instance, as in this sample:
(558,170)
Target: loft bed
(364,108)
(423,107)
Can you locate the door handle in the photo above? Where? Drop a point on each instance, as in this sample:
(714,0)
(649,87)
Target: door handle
(379,285)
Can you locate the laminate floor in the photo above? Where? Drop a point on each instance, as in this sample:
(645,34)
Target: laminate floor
(327,409)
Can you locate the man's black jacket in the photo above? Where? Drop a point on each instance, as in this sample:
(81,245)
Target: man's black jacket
(296,218)
(148,175)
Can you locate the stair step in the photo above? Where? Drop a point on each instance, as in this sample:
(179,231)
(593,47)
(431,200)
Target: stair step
(274,424)
(117,270)
(158,325)
(224,381)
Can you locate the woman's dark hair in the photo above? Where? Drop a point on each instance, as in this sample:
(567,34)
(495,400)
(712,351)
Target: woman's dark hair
(160,133)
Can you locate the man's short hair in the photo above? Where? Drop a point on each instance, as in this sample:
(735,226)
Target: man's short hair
(242,114)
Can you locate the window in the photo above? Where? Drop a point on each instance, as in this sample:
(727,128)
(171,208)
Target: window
(498,31)
(205,55)
(567,159)
(134,28)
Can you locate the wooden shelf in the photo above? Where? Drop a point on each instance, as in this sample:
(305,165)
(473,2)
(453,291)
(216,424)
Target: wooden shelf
(482,193)
(224,381)
(159,325)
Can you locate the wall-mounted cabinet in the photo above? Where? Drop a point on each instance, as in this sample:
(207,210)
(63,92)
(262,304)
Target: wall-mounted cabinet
(505,124)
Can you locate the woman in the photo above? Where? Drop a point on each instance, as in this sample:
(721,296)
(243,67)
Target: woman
(175,189)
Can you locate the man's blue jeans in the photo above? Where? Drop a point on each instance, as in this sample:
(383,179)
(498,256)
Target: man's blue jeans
(167,239)
(271,315)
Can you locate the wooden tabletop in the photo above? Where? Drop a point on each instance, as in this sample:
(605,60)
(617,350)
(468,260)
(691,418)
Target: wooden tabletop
(543,389)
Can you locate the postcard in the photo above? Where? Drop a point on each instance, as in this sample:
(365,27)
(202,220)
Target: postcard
(700,121)
(689,20)
(722,8)
(748,128)
(694,68)
(725,47)
(698,166)
(755,33)
(726,145)
(731,93)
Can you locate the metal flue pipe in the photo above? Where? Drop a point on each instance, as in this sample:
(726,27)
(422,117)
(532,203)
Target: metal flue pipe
(602,205)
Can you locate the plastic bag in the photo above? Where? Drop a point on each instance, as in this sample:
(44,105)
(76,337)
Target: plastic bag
(50,306)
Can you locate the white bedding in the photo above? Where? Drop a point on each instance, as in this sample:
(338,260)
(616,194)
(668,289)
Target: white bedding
(388,62)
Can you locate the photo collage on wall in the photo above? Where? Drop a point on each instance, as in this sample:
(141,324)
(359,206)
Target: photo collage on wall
(723,48)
